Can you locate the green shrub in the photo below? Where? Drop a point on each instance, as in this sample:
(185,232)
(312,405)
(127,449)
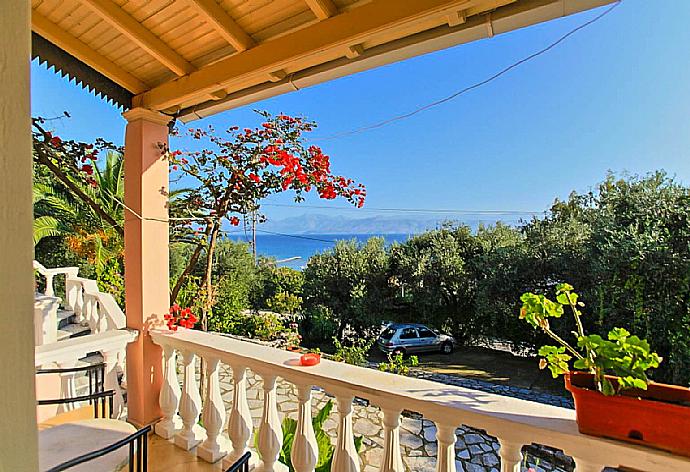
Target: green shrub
(326,449)
(284,303)
(357,353)
(318,326)
(266,326)
(398,364)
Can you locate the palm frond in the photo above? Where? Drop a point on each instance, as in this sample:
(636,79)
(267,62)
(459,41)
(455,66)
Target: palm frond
(46,226)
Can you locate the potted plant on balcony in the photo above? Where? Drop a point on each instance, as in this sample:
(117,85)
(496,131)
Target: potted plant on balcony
(613,396)
(292,338)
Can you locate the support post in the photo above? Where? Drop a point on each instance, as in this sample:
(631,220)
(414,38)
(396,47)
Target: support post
(147,295)
(18,432)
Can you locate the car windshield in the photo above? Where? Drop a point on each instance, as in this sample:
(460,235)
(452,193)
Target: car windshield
(388,333)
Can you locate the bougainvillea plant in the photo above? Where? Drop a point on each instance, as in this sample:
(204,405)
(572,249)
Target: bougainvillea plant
(178,316)
(72,163)
(236,169)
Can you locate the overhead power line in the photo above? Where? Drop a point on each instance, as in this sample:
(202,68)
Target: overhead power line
(469,88)
(413,210)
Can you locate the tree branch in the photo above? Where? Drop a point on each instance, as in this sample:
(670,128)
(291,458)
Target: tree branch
(42,158)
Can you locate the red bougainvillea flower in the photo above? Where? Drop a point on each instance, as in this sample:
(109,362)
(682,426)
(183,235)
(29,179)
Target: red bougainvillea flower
(254,177)
(55,141)
(178,316)
(235,221)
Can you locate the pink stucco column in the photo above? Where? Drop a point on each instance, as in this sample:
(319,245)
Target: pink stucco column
(147,296)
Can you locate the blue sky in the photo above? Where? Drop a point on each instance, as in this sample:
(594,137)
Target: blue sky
(616,96)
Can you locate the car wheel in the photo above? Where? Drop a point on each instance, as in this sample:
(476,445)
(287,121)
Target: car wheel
(447,348)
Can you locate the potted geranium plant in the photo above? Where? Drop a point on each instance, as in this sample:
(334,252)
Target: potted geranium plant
(608,379)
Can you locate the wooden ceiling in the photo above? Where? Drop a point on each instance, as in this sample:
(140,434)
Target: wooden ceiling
(193,58)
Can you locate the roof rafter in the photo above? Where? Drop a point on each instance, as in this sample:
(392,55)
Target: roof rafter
(58,36)
(135,31)
(322,8)
(300,49)
(224,24)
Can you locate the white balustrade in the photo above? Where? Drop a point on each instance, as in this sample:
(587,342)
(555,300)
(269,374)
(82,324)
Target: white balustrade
(66,354)
(513,421)
(445,437)
(392,460)
(240,423)
(49,276)
(511,455)
(91,307)
(45,319)
(305,450)
(212,449)
(170,395)
(345,456)
(191,433)
(110,381)
(270,439)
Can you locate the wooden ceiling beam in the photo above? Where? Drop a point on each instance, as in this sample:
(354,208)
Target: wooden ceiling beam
(68,43)
(322,8)
(300,49)
(224,24)
(138,33)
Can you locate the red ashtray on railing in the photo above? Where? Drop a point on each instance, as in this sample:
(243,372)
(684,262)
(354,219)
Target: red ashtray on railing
(309,359)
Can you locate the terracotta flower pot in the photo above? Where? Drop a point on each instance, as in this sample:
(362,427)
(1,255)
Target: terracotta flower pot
(293,348)
(658,417)
(309,359)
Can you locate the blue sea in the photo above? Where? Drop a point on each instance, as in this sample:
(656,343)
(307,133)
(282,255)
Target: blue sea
(306,245)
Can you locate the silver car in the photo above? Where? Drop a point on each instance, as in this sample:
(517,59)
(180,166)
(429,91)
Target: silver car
(409,338)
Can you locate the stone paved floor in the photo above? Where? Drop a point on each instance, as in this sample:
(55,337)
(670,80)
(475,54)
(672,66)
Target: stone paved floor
(475,450)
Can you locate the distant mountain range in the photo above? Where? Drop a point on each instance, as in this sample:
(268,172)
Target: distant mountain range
(337,224)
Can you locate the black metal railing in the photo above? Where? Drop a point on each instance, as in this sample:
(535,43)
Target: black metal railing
(102,402)
(95,373)
(242,464)
(138,453)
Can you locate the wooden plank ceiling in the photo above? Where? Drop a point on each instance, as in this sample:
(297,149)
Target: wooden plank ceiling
(192,58)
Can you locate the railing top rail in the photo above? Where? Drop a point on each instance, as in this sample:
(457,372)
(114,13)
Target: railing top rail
(71,271)
(507,417)
(76,348)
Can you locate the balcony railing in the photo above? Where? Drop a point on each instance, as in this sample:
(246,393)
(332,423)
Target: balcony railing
(66,354)
(512,421)
(83,300)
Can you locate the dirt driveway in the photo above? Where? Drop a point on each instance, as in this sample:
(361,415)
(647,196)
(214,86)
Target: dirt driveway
(490,365)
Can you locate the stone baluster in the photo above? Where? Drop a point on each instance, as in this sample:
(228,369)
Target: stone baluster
(270,438)
(305,450)
(169,397)
(90,310)
(345,457)
(71,288)
(240,423)
(212,450)
(511,455)
(585,465)
(191,433)
(45,320)
(68,386)
(392,461)
(445,437)
(110,382)
(50,289)
(79,304)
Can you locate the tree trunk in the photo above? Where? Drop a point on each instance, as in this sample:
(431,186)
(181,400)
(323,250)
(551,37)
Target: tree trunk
(191,265)
(208,305)
(208,282)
